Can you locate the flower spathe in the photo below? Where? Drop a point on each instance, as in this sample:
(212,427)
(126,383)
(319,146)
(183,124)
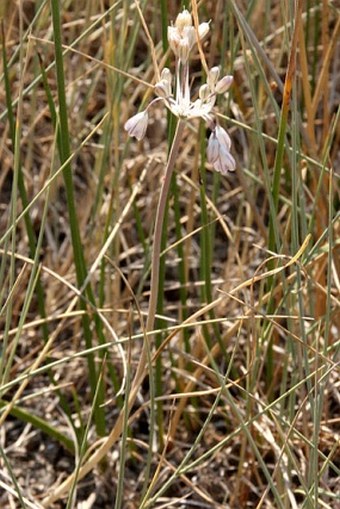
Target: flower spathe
(182,37)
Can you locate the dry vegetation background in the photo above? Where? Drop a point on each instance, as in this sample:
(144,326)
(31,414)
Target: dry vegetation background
(239,407)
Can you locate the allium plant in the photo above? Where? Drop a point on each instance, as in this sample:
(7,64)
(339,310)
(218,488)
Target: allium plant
(182,38)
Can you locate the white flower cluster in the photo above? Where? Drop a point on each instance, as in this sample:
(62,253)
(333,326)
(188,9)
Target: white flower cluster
(182,38)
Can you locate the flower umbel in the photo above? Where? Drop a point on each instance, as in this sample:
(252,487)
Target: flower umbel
(182,37)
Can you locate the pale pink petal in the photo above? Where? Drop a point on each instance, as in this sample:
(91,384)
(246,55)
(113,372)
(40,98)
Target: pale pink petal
(213,148)
(218,151)
(223,137)
(136,125)
(226,162)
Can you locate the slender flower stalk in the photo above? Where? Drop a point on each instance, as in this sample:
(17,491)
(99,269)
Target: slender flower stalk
(156,248)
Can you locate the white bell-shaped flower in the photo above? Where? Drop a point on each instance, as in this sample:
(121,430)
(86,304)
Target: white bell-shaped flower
(218,151)
(136,126)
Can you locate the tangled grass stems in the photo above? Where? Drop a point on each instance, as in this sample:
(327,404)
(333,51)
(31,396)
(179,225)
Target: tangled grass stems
(141,369)
(264,435)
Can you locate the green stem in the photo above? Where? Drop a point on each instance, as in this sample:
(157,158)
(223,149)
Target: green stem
(79,259)
(39,423)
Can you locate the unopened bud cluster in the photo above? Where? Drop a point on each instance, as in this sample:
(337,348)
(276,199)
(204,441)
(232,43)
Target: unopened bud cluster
(182,37)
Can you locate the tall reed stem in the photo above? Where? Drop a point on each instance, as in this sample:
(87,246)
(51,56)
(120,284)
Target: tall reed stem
(142,365)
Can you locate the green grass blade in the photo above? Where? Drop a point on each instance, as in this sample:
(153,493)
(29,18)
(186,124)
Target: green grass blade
(79,260)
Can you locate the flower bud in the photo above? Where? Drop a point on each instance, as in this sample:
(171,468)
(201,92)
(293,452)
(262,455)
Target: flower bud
(190,34)
(184,49)
(203,29)
(136,125)
(223,84)
(204,92)
(173,39)
(214,74)
(163,88)
(183,20)
(166,74)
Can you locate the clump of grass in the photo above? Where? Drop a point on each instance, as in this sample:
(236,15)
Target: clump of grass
(213,381)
